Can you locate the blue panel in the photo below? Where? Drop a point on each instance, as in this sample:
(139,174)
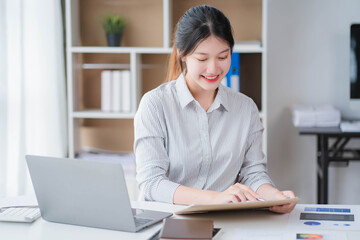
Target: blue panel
(310,209)
(323,210)
(338,210)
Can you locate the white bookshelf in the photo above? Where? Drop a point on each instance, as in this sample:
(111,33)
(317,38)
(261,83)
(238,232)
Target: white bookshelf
(136,50)
(101,114)
(87,57)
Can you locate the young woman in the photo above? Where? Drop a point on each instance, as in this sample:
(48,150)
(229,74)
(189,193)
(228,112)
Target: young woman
(197,141)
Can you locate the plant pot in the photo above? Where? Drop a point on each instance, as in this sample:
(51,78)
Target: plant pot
(113,39)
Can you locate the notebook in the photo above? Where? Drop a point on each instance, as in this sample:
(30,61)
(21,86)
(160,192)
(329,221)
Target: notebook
(88,193)
(187,229)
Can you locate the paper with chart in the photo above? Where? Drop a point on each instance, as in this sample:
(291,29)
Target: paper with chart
(325,217)
(240,234)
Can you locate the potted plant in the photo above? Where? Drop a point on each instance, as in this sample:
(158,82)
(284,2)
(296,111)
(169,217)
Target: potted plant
(114,26)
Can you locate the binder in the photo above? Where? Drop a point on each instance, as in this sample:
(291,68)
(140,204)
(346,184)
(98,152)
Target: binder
(116,90)
(234,73)
(126,91)
(106,96)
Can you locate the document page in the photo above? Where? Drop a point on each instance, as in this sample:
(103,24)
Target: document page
(325,217)
(239,234)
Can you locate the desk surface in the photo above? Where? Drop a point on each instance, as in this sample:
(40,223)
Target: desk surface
(228,221)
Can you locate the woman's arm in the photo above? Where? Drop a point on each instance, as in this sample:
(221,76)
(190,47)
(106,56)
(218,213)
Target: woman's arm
(254,172)
(152,161)
(235,193)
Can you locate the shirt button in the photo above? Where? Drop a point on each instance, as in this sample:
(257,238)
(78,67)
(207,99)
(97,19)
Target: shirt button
(204,134)
(206,158)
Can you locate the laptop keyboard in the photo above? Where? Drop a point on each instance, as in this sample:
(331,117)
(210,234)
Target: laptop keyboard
(19,214)
(141,221)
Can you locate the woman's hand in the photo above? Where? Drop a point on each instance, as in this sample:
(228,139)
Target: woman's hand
(283,208)
(235,193)
(269,192)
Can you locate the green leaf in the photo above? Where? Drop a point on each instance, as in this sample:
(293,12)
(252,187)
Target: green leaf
(114,23)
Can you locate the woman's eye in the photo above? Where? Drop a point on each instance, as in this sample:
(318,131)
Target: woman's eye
(202,60)
(223,58)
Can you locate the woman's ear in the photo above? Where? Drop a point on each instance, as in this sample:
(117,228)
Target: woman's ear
(182,59)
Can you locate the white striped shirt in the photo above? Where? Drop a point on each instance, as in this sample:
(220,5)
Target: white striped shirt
(178,143)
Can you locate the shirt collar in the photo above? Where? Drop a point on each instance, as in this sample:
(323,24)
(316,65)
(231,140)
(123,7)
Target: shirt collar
(221,99)
(183,91)
(185,96)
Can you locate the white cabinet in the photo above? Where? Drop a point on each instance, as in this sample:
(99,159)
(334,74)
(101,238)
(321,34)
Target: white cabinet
(144,51)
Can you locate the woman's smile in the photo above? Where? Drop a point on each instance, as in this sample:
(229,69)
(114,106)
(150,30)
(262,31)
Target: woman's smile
(212,78)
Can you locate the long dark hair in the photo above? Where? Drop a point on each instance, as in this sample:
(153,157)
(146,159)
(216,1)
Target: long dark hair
(197,24)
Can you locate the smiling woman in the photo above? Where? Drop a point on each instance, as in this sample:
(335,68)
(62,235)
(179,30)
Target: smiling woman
(206,67)
(197,141)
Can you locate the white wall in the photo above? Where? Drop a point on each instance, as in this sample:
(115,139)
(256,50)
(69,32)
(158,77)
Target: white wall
(308,62)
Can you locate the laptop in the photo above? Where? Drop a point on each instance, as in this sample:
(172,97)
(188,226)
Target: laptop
(88,193)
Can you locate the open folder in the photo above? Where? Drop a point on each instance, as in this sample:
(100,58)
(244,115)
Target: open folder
(200,208)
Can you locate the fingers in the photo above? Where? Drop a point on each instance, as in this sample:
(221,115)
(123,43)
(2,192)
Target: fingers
(289,194)
(235,199)
(243,193)
(251,197)
(238,197)
(250,194)
(236,193)
(283,208)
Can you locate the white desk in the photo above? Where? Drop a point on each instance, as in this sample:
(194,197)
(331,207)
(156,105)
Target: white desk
(228,221)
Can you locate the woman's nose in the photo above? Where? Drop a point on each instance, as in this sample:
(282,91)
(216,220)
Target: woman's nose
(212,67)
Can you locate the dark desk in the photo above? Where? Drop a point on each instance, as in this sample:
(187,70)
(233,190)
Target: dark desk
(331,147)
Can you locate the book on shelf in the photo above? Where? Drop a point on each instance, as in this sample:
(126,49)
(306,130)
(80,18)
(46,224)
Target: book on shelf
(106,96)
(232,79)
(247,44)
(116,90)
(126,91)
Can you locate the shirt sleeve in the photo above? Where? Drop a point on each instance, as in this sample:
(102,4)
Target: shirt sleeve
(253,172)
(152,161)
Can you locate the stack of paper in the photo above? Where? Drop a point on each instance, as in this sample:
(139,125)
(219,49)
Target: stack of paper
(350,126)
(308,116)
(327,116)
